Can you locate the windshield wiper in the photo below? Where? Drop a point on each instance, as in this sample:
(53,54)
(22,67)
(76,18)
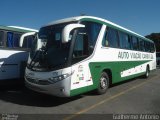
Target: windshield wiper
(41,53)
(34,57)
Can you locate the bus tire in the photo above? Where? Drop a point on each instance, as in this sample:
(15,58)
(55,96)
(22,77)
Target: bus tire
(103,83)
(146,75)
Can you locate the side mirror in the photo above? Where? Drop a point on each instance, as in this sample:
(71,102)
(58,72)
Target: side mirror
(25,35)
(67,29)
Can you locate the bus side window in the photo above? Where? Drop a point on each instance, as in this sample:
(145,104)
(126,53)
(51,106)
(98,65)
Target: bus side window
(10,39)
(27,43)
(16,39)
(124,40)
(24,45)
(110,38)
(135,43)
(147,46)
(141,45)
(1,38)
(152,48)
(81,45)
(30,41)
(105,40)
(92,30)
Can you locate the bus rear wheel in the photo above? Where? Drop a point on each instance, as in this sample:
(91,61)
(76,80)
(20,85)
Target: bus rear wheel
(103,83)
(147,72)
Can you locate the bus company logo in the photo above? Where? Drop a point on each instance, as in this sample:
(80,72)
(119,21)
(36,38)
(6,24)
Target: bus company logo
(80,68)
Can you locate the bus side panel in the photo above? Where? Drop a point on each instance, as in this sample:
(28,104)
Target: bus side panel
(123,64)
(121,70)
(10,63)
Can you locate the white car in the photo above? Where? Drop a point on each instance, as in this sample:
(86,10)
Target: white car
(158,58)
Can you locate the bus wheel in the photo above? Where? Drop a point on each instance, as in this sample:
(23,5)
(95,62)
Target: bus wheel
(147,72)
(103,83)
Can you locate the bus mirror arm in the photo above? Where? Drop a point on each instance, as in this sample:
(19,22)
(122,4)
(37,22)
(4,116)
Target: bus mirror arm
(23,36)
(67,29)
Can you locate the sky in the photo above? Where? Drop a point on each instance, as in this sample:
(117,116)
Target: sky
(140,16)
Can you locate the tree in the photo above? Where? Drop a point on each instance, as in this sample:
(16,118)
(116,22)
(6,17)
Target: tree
(156,38)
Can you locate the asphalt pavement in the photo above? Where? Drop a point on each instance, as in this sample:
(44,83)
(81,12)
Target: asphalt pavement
(135,97)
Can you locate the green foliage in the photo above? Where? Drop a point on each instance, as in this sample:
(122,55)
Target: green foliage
(156,38)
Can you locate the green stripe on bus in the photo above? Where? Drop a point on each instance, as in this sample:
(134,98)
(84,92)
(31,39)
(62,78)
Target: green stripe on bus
(96,68)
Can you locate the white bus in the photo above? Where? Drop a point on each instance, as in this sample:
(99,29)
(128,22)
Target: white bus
(75,55)
(13,57)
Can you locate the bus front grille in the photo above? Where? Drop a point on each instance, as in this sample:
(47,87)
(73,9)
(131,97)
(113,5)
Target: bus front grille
(38,81)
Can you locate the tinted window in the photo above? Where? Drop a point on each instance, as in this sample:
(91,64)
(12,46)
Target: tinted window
(27,42)
(79,50)
(141,45)
(1,38)
(85,41)
(124,41)
(135,44)
(92,30)
(147,46)
(9,39)
(110,38)
(16,39)
(13,39)
(152,47)
(157,54)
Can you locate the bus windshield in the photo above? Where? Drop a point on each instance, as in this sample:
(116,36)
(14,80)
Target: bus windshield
(54,54)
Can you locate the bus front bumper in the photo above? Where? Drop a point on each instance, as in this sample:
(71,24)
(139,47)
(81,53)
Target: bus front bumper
(60,88)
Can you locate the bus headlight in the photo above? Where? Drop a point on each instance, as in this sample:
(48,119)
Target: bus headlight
(59,78)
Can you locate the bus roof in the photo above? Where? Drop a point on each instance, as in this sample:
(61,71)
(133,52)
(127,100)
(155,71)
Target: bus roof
(24,28)
(17,28)
(97,19)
